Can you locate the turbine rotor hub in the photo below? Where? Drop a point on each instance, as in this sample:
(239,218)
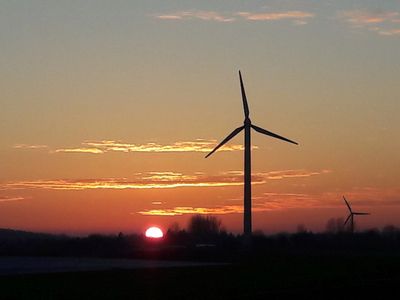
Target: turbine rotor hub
(247,121)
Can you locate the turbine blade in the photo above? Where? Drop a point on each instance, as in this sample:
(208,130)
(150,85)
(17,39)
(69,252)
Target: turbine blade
(348,218)
(235,132)
(269,133)
(348,205)
(244,98)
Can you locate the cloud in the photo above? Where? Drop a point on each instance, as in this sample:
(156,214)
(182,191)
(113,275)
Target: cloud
(100,147)
(265,202)
(362,17)
(273,201)
(381,22)
(364,197)
(184,210)
(156,180)
(298,17)
(291,174)
(281,200)
(26,146)
(389,32)
(151,180)
(170,17)
(217,210)
(359,197)
(114,183)
(201,15)
(80,150)
(9,199)
(374,196)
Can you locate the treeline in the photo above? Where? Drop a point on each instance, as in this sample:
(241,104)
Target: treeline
(204,239)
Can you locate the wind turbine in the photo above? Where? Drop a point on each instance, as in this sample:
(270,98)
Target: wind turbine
(247,126)
(351,215)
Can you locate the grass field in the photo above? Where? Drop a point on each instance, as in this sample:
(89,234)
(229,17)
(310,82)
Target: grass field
(321,277)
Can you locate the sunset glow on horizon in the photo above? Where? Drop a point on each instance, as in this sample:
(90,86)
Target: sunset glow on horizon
(108,110)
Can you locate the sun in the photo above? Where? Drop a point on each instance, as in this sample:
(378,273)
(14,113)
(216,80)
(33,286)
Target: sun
(154,233)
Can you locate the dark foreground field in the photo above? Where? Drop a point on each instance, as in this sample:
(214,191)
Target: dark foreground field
(321,277)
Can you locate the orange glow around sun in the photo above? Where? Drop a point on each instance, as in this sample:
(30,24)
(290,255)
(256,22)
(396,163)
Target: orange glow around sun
(154,232)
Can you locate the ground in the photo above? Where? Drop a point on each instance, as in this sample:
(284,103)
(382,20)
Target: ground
(321,277)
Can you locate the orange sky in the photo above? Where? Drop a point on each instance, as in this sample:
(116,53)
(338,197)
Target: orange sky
(107,112)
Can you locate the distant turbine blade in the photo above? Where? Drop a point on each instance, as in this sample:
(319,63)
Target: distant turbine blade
(361,213)
(348,218)
(235,132)
(269,133)
(244,98)
(348,205)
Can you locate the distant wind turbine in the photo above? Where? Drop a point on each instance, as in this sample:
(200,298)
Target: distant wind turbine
(351,215)
(247,157)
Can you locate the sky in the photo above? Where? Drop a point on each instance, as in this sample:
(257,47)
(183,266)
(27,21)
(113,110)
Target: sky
(108,109)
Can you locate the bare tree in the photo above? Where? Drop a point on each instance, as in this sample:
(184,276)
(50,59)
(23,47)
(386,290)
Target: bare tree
(335,225)
(174,228)
(301,228)
(204,225)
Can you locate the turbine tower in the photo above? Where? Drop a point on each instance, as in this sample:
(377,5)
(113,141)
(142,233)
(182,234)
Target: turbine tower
(247,126)
(351,215)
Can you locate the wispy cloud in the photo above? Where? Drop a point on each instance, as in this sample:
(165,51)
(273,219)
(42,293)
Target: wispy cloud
(27,146)
(99,147)
(151,180)
(104,146)
(156,180)
(216,210)
(113,183)
(282,174)
(381,22)
(365,196)
(273,201)
(389,32)
(298,17)
(9,199)
(281,200)
(374,195)
(291,174)
(201,15)
(265,202)
(362,17)
(80,150)
(184,210)
(359,197)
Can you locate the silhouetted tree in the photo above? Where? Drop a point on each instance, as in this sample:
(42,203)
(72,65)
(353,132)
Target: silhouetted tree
(301,228)
(340,225)
(335,225)
(390,231)
(174,228)
(176,235)
(204,225)
(258,233)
